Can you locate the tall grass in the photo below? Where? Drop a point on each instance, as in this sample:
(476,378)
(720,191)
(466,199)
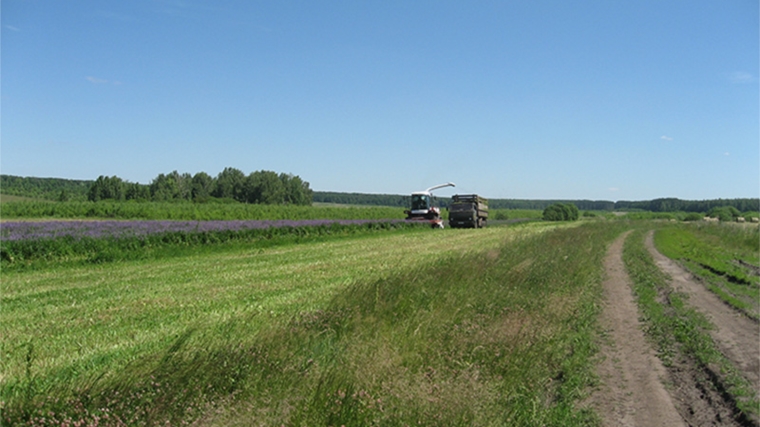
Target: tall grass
(452,327)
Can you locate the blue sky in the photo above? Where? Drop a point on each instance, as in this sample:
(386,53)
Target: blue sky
(603,100)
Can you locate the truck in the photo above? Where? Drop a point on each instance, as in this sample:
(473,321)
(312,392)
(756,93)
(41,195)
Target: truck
(468,211)
(422,208)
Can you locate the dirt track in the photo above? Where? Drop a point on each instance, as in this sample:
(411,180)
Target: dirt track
(737,336)
(631,393)
(636,390)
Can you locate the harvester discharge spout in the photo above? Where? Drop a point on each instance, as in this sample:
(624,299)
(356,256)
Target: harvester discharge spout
(422,208)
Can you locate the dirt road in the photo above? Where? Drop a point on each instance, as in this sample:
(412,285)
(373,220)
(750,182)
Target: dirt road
(636,389)
(737,336)
(632,392)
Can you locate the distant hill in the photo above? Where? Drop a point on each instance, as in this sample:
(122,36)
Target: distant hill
(75,190)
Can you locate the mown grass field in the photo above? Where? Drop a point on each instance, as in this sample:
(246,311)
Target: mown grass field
(451,327)
(495,326)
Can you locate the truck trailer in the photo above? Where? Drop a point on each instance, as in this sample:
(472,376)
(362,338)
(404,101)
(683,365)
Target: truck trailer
(468,211)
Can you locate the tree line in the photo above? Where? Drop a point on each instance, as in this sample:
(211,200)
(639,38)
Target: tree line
(677,205)
(656,205)
(261,187)
(44,188)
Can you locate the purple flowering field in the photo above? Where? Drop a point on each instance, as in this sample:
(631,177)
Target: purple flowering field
(32,230)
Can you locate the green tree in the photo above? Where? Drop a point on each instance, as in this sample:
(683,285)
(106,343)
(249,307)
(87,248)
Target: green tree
(297,191)
(163,188)
(724,213)
(184,185)
(136,191)
(230,184)
(264,187)
(202,186)
(106,188)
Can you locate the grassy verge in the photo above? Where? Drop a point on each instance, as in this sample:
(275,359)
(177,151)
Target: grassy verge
(452,327)
(725,256)
(680,333)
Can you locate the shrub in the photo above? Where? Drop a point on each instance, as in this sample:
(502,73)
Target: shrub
(561,212)
(692,217)
(724,213)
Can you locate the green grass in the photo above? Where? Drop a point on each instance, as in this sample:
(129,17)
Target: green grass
(495,215)
(451,327)
(678,331)
(725,256)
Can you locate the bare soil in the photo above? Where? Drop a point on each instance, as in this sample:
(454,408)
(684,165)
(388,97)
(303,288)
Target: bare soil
(631,392)
(636,389)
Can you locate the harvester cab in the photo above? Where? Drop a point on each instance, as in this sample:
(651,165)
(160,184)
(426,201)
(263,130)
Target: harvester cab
(422,208)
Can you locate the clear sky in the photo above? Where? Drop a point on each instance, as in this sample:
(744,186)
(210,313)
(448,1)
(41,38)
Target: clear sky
(603,100)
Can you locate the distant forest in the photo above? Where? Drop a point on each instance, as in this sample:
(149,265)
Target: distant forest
(657,205)
(266,187)
(230,185)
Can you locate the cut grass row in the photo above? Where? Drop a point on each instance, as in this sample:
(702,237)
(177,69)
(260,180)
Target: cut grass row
(455,327)
(680,333)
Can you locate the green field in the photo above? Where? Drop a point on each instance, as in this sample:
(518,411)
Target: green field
(15,208)
(725,256)
(494,326)
(447,327)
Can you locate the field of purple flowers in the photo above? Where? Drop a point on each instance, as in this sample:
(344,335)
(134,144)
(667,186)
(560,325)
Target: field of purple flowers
(27,230)
(22,242)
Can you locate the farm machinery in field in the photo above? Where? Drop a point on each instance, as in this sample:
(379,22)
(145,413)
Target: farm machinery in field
(468,210)
(422,208)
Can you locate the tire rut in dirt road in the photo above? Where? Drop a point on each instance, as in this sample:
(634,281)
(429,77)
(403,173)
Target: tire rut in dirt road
(736,336)
(631,391)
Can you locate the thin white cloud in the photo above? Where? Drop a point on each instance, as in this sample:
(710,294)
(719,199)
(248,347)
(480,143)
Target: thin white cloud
(95,80)
(741,77)
(614,189)
(666,138)
(726,154)
(12,28)
(99,81)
